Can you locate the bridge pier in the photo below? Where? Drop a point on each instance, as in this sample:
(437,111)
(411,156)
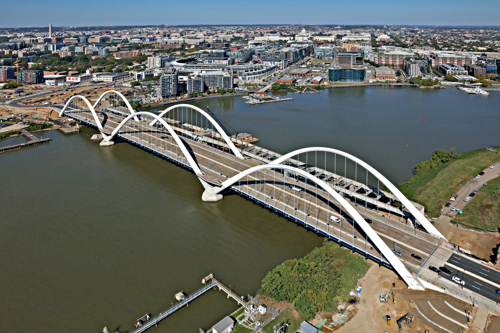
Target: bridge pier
(106,141)
(209,195)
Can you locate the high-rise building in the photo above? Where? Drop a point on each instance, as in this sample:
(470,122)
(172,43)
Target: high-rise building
(31,76)
(7,73)
(168,83)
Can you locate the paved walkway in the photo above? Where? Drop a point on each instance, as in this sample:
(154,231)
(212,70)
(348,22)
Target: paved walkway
(480,321)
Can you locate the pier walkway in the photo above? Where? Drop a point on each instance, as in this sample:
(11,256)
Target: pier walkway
(155,320)
(34,140)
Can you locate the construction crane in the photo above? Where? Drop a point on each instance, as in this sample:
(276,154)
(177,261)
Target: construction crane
(17,69)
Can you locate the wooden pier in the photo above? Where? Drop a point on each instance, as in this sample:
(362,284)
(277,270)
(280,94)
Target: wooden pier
(34,140)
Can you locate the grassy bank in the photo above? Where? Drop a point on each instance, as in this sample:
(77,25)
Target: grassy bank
(317,282)
(435,181)
(483,211)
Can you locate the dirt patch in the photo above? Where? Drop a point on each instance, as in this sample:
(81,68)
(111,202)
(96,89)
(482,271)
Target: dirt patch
(282,306)
(494,325)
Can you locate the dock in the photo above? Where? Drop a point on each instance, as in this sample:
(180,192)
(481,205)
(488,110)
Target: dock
(145,322)
(34,140)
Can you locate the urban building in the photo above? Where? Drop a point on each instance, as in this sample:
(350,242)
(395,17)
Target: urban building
(195,84)
(436,59)
(475,70)
(126,54)
(78,78)
(241,55)
(349,46)
(109,77)
(385,73)
(338,74)
(7,73)
(412,67)
(217,60)
(56,47)
(217,79)
(287,80)
(393,58)
(31,76)
(451,69)
(280,63)
(226,325)
(159,61)
(300,72)
(168,83)
(349,59)
(103,51)
(252,72)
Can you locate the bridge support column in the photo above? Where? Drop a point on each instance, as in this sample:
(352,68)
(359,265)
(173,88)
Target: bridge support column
(209,195)
(106,141)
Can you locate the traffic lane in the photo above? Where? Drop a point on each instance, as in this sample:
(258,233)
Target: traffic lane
(477,286)
(476,268)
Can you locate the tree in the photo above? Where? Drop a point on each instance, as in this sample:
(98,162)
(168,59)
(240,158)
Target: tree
(450,78)
(108,69)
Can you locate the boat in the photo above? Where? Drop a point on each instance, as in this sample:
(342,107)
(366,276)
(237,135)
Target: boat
(180,296)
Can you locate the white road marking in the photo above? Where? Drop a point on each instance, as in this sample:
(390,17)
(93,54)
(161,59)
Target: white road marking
(430,321)
(454,308)
(446,317)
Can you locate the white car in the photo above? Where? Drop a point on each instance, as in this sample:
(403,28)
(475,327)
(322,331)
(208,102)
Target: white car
(478,176)
(492,166)
(458,280)
(467,199)
(334,219)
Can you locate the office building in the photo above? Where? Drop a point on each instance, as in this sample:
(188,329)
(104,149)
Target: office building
(31,76)
(338,74)
(385,73)
(159,61)
(436,59)
(168,83)
(393,58)
(412,67)
(126,54)
(349,59)
(103,51)
(7,73)
(475,70)
(451,69)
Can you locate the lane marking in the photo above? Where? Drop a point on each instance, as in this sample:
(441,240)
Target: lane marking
(430,321)
(446,317)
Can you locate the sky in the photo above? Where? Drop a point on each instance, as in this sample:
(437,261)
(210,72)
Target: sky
(38,13)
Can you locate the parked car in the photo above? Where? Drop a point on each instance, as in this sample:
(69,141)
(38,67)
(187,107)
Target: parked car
(478,176)
(448,204)
(475,191)
(481,173)
(472,194)
(453,208)
(458,280)
(416,256)
(434,269)
(398,253)
(444,270)
(485,184)
(368,220)
(492,166)
(467,199)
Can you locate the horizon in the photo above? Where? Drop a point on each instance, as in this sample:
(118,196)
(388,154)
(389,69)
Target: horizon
(220,12)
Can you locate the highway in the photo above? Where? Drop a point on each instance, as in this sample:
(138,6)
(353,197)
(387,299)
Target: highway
(475,267)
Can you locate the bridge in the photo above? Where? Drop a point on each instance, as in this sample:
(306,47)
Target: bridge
(329,191)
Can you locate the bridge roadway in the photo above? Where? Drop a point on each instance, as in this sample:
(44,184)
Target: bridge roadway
(273,190)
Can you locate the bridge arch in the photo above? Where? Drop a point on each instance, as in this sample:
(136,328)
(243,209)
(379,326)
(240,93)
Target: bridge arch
(90,106)
(410,280)
(414,211)
(174,135)
(226,138)
(124,99)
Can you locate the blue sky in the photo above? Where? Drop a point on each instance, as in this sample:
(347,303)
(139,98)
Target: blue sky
(30,13)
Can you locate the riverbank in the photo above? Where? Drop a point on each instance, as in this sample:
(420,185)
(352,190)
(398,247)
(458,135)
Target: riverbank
(435,180)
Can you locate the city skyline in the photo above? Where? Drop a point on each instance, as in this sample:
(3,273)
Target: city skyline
(154,12)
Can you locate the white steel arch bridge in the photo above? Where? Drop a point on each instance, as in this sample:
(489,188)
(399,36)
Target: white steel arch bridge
(305,192)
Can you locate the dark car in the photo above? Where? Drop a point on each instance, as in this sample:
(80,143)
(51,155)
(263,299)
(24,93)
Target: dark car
(434,269)
(498,291)
(448,204)
(368,220)
(481,173)
(472,194)
(444,270)
(416,256)
(398,253)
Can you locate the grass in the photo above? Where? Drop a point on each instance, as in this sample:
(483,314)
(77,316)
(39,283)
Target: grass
(241,329)
(5,135)
(483,211)
(433,187)
(285,316)
(238,313)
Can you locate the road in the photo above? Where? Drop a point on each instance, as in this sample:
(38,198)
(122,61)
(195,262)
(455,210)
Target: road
(476,267)
(469,187)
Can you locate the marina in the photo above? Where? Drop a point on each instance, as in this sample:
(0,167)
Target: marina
(255,99)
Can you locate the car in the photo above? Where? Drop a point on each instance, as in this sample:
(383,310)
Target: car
(481,173)
(444,270)
(434,269)
(492,166)
(448,204)
(334,219)
(485,184)
(416,256)
(296,189)
(458,280)
(368,220)
(398,253)
(453,208)
(478,176)
(467,199)
(472,194)
(498,291)
(475,191)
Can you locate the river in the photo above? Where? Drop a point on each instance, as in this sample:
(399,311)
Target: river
(93,237)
